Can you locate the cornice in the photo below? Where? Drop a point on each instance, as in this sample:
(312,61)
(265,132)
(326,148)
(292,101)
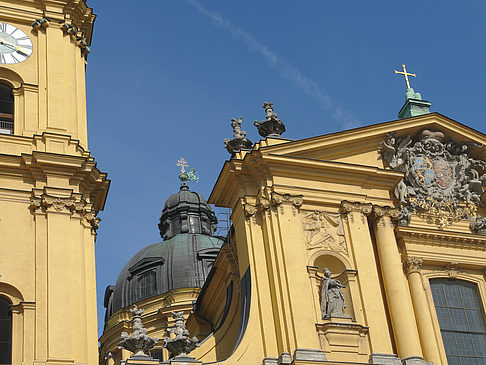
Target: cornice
(60,11)
(241,176)
(356,135)
(78,169)
(439,237)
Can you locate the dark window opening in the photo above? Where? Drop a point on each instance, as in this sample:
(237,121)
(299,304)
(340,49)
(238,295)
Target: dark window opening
(147,285)
(5,332)
(461,321)
(6,109)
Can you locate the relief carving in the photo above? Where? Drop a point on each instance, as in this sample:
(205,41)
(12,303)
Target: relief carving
(441,183)
(46,203)
(452,269)
(412,264)
(323,229)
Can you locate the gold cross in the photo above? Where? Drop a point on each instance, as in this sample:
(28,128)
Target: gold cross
(406,74)
(182,163)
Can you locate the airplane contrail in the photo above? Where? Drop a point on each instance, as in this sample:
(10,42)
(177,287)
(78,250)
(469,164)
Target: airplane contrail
(287,70)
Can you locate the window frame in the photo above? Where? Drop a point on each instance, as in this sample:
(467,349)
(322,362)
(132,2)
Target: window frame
(442,273)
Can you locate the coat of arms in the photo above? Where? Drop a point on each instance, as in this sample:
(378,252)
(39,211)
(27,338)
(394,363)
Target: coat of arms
(442,182)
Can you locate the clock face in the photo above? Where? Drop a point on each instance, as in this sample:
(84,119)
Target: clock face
(15,45)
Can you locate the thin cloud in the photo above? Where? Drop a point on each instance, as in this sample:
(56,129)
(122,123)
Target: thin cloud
(289,72)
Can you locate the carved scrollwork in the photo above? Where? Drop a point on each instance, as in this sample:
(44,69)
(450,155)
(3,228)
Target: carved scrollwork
(347,207)
(46,203)
(363,208)
(295,200)
(441,183)
(381,213)
(452,269)
(250,210)
(412,264)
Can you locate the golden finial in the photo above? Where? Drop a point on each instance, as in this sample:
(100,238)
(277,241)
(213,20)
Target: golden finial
(406,74)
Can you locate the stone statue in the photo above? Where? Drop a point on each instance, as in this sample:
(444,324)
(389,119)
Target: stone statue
(239,140)
(332,298)
(177,340)
(138,342)
(271,126)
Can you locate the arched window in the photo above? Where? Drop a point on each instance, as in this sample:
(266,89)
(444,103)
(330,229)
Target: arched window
(461,321)
(5,332)
(6,109)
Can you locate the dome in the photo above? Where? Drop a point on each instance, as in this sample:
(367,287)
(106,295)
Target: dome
(183,261)
(186,212)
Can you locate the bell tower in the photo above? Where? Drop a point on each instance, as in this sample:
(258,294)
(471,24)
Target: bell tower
(50,188)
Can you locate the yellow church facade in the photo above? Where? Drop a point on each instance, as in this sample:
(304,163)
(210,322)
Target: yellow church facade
(392,210)
(362,246)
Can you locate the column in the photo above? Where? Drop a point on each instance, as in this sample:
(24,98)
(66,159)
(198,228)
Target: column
(396,287)
(421,306)
(369,283)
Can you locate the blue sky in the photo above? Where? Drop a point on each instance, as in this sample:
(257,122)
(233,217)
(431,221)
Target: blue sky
(165,77)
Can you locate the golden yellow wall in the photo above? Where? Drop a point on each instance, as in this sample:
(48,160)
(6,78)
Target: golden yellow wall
(50,191)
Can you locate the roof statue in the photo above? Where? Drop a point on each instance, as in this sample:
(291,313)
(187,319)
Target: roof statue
(138,342)
(271,126)
(239,140)
(442,183)
(177,340)
(414,105)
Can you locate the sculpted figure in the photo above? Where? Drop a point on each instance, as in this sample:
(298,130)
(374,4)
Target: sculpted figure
(332,298)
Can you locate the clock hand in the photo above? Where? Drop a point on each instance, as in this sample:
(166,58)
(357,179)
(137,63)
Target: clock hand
(17,48)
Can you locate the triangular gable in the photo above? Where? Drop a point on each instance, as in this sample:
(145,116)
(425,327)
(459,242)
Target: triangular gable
(361,145)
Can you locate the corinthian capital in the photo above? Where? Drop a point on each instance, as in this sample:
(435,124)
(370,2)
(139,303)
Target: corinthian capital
(412,264)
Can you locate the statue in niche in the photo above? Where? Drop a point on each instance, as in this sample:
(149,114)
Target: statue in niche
(332,298)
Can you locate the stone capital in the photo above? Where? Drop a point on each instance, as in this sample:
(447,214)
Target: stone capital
(250,210)
(295,200)
(412,264)
(74,205)
(349,207)
(381,212)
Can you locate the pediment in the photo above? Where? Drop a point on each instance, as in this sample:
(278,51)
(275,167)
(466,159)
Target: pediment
(361,146)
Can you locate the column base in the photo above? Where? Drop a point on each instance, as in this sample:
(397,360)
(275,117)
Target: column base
(309,355)
(284,359)
(385,359)
(270,361)
(415,360)
(392,359)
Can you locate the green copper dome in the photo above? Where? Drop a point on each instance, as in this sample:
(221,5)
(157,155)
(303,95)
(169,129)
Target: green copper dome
(182,260)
